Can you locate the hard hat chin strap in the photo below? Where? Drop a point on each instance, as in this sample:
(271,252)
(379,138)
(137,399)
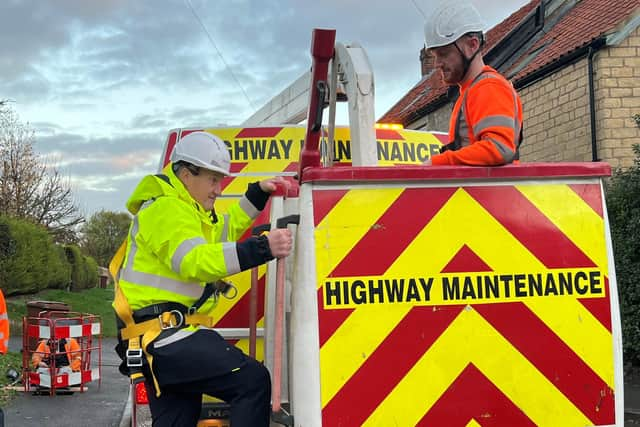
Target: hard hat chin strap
(466,62)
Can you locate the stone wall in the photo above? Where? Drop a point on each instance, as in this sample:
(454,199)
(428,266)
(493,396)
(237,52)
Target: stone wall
(556,117)
(436,121)
(618,100)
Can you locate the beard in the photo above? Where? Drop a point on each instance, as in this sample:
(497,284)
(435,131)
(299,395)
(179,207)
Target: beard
(452,76)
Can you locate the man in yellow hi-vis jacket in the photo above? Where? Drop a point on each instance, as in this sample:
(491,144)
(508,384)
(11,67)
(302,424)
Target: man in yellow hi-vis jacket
(176,250)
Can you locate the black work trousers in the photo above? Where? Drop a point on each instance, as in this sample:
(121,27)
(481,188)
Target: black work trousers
(247,390)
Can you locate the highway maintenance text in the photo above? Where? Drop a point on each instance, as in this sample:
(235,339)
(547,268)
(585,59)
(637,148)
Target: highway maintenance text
(351,292)
(242,150)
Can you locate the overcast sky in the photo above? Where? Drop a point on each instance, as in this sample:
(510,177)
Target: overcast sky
(102,81)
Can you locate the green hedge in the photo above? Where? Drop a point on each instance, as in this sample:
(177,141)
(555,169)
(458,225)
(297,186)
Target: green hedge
(623,208)
(78,271)
(84,270)
(29,259)
(59,272)
(92,272)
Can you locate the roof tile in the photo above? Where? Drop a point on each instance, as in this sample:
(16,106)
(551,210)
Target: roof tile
(586,21)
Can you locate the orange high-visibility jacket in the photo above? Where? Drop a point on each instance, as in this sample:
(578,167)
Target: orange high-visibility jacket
(487,122)
(71,347)
(4,326)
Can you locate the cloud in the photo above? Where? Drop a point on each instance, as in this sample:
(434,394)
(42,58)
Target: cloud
(102,82)
(92,161)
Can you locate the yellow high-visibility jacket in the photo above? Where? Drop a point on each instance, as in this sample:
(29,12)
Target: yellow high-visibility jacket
(175,247)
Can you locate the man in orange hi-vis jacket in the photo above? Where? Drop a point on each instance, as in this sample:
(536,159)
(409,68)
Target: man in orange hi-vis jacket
(485,128)
(4,326)
(66,353)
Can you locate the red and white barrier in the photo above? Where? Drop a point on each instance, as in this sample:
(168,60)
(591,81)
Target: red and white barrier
(64,380)
(67,331)
(86,328)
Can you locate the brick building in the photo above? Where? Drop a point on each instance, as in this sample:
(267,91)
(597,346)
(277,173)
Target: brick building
(576,65)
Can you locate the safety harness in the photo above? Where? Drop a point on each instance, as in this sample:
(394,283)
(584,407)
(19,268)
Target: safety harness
(160,317)
(143,326)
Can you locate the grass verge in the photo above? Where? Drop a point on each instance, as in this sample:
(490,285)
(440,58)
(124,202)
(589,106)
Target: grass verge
(9,360)
(93,301)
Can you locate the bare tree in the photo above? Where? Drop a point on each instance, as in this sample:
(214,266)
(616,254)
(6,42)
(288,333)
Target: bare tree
(30,187)
(19,166)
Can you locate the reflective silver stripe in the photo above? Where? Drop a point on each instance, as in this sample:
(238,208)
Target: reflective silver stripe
(507,153)
(225,229)
(4,316)
(134,232)
(464,129)
(132,239)
(513,123)
(492,121)
(183,249)
(193,290)
(248,207)
(146,204)
(485,76)
(177,336)
(231,258)
(1,335)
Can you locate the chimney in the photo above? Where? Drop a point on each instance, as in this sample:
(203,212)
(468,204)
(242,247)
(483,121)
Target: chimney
(426,62)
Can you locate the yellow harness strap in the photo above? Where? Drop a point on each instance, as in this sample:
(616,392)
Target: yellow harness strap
(123,311)
(147,330)
(163,321)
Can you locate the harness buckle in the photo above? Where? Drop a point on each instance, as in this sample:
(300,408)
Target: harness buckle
(134,357)
(226,289)
(170,325)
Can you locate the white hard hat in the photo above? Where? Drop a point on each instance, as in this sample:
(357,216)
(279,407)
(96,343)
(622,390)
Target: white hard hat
(204,150)
(451,21)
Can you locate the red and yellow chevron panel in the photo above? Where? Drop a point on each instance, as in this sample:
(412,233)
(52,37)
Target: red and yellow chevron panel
(464,306)
(262,152)
(267,150)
